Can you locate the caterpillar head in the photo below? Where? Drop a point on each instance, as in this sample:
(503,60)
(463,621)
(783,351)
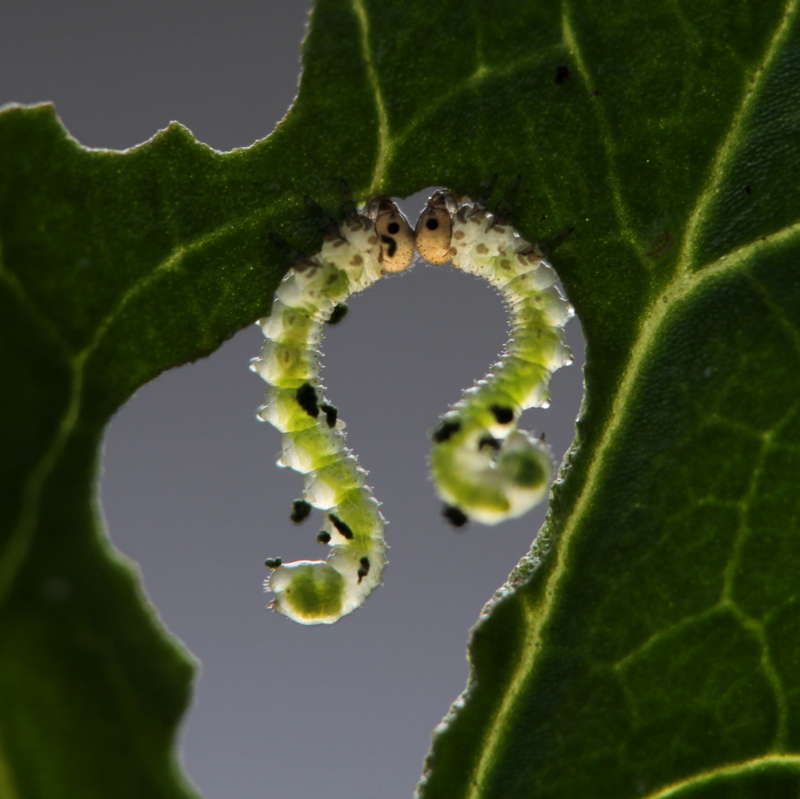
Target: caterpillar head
(395,234)
(435,227)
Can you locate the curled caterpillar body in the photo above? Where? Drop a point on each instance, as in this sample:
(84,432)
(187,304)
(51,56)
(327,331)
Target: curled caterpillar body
(352,258)
(481,464)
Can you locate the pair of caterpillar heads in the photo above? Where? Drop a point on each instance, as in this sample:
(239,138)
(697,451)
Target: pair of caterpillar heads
(483,466)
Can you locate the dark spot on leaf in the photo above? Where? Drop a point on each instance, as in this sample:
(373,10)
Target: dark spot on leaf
(562,75)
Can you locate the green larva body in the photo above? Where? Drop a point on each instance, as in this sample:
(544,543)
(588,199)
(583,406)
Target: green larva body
(481,464)
(313,441)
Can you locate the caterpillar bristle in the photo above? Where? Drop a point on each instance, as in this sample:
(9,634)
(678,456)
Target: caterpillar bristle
(550,244)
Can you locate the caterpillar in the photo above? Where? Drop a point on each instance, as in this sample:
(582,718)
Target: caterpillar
(354,255)
(482,465)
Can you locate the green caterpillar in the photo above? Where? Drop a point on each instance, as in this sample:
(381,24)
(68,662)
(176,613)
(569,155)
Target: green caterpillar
(484,468)
(353,257)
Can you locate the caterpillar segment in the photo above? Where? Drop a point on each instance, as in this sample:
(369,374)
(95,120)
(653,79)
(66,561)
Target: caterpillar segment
(483,466)
(353,257)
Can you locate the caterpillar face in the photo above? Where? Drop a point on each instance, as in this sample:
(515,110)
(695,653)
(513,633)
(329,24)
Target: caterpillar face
(395,234)
(312,442)
(435,227)
(483,467)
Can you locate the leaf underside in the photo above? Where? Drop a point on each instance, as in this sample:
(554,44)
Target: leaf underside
(650,643)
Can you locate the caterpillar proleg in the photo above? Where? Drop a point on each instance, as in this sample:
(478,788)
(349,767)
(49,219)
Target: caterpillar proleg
(353,256)
(483,466)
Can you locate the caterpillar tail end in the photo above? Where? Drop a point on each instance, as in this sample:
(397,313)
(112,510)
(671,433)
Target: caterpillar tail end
(307,591)
(321,592)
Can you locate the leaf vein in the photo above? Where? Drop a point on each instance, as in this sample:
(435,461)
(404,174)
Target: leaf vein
(730,143)
(620,209)
(482,73)
(41,319)
(789,327)
(753,626)
(728,770)
(24,531)
(380,106)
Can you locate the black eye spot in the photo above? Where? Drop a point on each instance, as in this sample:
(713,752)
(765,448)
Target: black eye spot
(488,441)
(331,413)
(455,516)
(503,414)
(307,399)
(341,526)
(393,228)
(392,245)
(300,511)
(273,563)
(432,223)
(446,429)
(364,570)
(324,537)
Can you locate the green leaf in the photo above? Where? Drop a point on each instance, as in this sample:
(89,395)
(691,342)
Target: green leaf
(649,644)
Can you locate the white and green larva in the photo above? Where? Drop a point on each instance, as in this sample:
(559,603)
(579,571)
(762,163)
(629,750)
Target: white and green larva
(353,257)
(484,468)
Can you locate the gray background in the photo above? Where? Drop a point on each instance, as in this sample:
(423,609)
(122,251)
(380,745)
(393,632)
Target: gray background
(189,486)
